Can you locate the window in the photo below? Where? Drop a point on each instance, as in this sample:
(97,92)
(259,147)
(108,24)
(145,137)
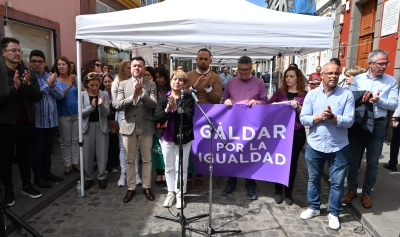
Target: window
(303,65)
(147,2)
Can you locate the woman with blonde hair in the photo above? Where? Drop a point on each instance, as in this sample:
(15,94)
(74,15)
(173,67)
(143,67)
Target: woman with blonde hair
(293,90)
(124,73)
(166,111)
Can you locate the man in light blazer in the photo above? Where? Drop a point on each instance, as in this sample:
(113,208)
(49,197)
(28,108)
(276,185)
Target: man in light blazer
(138,97)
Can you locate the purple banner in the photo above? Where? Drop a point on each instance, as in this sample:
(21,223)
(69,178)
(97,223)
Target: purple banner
(259,141)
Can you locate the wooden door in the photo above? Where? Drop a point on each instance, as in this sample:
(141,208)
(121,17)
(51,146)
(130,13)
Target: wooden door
(367,28)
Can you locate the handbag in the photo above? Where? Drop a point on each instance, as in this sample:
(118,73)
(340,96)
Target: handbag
(114,126)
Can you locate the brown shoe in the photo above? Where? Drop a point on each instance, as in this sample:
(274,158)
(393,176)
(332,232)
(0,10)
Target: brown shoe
(129,195)
(350,195)
(366,201)
(199,184)
(149,195)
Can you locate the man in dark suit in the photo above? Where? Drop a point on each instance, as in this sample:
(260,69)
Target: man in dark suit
(17,113)
(138,97)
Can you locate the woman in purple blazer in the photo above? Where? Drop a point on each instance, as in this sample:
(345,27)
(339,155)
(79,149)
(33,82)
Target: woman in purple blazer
(293,90)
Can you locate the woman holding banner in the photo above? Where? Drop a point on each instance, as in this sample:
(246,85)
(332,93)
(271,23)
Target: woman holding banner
(166,111)
(291,90)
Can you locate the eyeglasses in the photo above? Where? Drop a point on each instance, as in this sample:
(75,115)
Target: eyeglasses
(97,64)
(146,75)
(61,65)
(382,64)
(92,75)
(332,73)
(244,70)
(36,61)
(15,51)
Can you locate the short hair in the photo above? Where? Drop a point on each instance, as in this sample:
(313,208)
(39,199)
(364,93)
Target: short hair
(121,67)
(293,65)
(318,67)
(152,72)
(37,53)
(205,50)
(5,41)
(110,66)
(66,60)
(180,75)
(139,58)
(301,82)
(90,77)
(376,52)
(245,60)
(354,71)
(336,61)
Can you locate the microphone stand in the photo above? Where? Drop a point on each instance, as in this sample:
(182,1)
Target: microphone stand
(180,216)
(5,209)
(210,231)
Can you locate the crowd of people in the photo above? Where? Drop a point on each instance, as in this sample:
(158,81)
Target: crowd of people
(125,115)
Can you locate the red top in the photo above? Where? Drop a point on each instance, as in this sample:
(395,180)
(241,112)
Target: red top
(314,77)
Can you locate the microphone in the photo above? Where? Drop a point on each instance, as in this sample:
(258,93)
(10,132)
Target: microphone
(192,92)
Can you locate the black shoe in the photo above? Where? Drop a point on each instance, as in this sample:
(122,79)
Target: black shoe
(278,198)
(75,169)
(31,192)
(52,177)
(390,167)
(288,198)
(68,172)
(88,184)
(102,184)
(41,183)
(9,197)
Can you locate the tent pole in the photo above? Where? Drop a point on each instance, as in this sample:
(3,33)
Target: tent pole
(170,65)
(79,80)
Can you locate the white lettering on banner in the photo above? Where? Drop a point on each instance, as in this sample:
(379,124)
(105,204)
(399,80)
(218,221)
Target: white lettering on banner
(247,133)
(255,157)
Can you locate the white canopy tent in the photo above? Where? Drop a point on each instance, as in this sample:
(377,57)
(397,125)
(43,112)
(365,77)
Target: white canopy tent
(225,27)
(185,26)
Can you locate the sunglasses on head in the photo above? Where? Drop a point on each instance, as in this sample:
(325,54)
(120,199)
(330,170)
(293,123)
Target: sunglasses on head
(92,75)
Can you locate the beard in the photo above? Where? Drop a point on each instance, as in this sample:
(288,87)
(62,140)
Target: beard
(203,67)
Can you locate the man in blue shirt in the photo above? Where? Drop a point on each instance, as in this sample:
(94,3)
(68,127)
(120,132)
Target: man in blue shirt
(329,111)
(225,77)
(46,121)
(381,92)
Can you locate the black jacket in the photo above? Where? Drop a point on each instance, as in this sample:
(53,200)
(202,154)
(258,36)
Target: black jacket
(9,103)
(363,115)
(188,111)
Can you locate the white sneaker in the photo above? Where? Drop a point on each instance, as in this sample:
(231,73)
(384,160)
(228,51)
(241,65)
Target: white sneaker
(122,180)
(138,179)
(333,222)
(309,213)
(169,201)
(178,201)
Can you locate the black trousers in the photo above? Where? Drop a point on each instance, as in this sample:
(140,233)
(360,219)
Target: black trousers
(20,135)
(43,143)
(113,151)
(299,139)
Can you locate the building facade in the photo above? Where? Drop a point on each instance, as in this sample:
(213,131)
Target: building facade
(364,25)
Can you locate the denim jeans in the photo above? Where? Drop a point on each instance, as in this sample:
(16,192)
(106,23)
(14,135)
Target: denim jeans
(337,163)
(373,143)
(43,143)
(250,183)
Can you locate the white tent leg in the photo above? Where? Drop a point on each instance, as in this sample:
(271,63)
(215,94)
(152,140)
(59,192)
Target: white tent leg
(78,66)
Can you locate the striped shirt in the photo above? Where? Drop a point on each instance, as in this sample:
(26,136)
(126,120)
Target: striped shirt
(46,108)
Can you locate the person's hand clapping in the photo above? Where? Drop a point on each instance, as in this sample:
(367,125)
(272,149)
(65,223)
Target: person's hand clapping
(228,102)
(101,100)
(94,103)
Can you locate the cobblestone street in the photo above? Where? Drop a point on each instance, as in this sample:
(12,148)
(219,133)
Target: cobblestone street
(103,213)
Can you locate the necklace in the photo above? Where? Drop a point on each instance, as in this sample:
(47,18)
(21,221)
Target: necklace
(202,73)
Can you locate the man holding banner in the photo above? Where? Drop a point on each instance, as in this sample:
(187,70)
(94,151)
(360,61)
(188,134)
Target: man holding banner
(329,111)
(249,90)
